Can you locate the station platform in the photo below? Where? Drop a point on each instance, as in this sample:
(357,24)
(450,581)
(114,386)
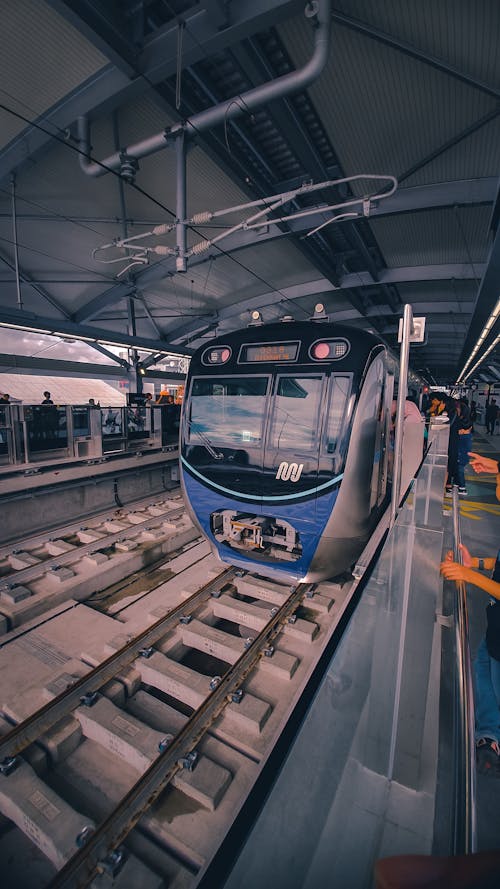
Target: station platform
(375,768)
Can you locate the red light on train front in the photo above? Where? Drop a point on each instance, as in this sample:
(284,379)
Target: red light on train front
(331,349)
(216,356)
(321,350)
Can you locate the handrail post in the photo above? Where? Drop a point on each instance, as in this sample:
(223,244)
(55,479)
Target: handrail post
(402,388)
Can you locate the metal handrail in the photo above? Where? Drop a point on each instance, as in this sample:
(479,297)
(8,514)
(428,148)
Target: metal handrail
(465,827)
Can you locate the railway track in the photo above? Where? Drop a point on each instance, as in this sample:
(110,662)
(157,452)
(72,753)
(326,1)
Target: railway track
(130,740)
(79,560)
(189,708)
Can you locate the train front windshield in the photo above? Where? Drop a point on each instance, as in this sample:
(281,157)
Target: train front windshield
(232,411)
(229,411)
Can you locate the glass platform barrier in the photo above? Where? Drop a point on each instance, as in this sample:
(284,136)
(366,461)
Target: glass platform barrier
(31,434)
(373,769)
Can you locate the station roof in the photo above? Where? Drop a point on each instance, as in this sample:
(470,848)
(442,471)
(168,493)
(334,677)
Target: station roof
(252,101)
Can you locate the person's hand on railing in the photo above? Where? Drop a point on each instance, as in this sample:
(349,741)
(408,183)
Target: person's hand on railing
(468,572)
(467,559)
(454,571)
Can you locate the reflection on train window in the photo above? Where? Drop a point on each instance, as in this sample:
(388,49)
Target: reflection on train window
(339,392)
(111,422)
(228,410)
(295,420)
(81,424)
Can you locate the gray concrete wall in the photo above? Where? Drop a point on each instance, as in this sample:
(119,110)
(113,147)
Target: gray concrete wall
(33,511)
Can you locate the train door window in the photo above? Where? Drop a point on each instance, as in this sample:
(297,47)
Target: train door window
(339,392)
(229,410)
(295,417)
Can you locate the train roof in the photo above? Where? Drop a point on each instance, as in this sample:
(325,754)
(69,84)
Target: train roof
(286,330)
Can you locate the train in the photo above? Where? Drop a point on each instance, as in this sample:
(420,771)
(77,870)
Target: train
(286,445)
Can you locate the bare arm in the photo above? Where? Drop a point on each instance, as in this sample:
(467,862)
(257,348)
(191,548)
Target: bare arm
(454,571)
(483,464)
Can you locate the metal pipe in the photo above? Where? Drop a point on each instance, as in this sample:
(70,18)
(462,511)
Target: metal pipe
(400,411)
(180,223)
(465,825)
(225,111)
(16,252)
(121,188)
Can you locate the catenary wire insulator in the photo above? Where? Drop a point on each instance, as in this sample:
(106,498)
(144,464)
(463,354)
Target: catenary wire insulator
(199,218)
(162,250)
(163,229)
(200,247)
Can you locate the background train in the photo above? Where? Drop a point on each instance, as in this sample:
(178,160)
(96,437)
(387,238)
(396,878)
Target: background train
(286,457)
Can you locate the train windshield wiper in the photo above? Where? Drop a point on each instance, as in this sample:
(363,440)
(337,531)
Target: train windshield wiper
(217,455)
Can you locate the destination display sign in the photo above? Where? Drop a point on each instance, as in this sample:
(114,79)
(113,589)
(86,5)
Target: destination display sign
(269,352)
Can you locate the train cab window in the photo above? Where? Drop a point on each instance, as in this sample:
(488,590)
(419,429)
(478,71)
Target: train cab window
(339,392)
(295,414)
(228,410)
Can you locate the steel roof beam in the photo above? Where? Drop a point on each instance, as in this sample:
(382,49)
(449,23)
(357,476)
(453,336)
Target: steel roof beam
(120,81)
(110,355)
(65,328)
(59,367)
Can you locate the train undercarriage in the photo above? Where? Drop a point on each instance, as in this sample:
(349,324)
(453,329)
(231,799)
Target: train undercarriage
(262,535)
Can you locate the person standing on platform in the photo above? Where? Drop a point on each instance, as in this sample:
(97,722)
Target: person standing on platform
(491,416)
(459,444)
(487,663)
(46,398)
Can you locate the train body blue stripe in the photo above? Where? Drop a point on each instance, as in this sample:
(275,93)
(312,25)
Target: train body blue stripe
(262,498)
(308,518)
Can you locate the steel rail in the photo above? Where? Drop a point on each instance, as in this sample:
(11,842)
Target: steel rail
(32,572)
(90,859)
(35,725)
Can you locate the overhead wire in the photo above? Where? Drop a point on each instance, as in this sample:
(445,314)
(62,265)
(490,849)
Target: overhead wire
(64,141)
(145,194)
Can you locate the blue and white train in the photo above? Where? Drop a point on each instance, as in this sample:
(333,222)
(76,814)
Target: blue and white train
(286,461)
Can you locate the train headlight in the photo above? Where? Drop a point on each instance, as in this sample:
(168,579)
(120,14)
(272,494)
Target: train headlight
(219,355)
(321,350)
(331,350)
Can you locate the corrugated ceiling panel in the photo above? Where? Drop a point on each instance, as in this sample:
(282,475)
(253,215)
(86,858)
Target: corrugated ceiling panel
(55,60)
(383,110)
(434,237)
(475,156)
(465,35)
(446,296)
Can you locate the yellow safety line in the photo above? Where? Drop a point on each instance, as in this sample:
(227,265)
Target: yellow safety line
(468,508)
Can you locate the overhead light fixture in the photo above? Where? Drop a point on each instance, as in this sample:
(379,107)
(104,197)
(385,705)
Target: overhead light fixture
(256,319)
(490,349)
(319,313)
(484,333)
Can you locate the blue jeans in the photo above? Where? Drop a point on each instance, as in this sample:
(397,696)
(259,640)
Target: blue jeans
(487,673)
(464,446)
